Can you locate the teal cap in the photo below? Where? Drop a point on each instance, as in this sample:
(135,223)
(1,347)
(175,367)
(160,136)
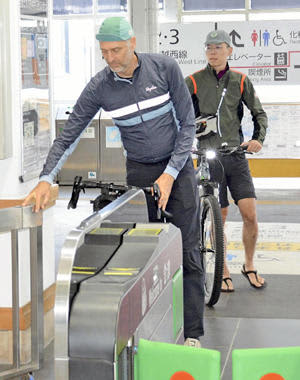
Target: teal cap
(115,29)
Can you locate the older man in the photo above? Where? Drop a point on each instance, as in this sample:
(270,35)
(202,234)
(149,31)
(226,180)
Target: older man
(149,102)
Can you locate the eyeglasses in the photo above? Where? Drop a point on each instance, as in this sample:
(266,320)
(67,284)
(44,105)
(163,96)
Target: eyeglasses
(217,49)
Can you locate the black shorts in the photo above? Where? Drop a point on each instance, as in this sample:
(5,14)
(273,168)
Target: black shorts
(236,178)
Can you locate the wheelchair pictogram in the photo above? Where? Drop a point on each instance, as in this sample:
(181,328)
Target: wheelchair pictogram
(278,40)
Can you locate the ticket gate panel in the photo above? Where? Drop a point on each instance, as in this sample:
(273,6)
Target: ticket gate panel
(128,298)
(156,325)
(154,329)
(110,306)
(83,369)
(105,288)
(130,207)
(92,326)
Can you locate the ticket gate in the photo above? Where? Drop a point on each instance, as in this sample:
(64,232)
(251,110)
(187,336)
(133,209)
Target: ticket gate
(119,280)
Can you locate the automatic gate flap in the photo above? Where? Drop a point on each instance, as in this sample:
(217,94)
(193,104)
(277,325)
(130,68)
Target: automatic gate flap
(99,246)
(137,248)
(126,264)
(161,361)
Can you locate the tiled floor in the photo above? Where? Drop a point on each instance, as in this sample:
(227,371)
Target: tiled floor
(246,318)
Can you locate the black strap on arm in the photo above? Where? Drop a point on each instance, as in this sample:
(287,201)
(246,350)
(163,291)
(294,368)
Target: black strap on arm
(196,105)
(227,80)
(221,101)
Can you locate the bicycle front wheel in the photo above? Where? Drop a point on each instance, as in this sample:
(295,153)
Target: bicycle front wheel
(212,248)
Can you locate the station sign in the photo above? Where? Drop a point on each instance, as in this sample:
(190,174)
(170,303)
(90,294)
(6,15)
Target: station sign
(267,51)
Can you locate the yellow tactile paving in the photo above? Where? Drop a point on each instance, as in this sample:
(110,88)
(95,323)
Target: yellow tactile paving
(266,246)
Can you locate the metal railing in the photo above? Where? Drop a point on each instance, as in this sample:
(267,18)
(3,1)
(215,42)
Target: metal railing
(12,220)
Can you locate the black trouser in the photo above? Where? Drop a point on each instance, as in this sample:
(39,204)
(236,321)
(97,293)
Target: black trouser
(183,204)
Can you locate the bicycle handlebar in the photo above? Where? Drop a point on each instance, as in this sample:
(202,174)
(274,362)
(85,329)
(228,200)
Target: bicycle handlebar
(79,185)
(118,190)
(224,150)
(227,150)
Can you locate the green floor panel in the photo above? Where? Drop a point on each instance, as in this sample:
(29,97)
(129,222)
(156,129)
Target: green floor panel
(161,361)
(266,364)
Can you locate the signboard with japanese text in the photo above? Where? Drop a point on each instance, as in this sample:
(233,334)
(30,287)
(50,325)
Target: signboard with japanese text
(283,137)
(267,51)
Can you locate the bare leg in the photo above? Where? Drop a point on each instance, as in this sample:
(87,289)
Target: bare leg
(247,209)
(226,273)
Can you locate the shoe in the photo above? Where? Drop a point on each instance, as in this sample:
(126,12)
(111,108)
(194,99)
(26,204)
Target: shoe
(246,274)
(228,290)
(192,342)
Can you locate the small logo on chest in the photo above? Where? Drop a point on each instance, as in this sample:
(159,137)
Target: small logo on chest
(149,89)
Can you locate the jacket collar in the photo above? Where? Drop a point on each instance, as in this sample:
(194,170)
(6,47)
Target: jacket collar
(213,71)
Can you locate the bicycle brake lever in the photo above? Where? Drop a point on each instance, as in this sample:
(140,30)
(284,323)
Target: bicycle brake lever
(161,214)
(156,191)
(156,195)
(75,192)
(166,214)
(244,148)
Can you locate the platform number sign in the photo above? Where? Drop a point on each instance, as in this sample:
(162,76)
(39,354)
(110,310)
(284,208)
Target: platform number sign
(172,36)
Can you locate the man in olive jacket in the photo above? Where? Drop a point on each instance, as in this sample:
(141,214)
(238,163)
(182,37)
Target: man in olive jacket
(220,91)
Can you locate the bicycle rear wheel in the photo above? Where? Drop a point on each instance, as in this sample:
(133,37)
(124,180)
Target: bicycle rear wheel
(212,248)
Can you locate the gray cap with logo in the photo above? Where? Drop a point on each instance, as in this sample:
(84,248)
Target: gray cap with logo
(217,37)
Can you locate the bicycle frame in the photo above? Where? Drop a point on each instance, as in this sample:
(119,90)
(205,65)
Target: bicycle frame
(205,184)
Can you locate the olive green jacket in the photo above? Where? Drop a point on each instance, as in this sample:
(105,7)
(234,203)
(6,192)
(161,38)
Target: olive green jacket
(206,91)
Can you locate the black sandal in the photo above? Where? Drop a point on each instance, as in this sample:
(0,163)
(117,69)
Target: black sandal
(246,273)
(228,290)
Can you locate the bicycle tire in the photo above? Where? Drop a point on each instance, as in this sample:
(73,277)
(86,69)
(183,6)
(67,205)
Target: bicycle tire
(212,248)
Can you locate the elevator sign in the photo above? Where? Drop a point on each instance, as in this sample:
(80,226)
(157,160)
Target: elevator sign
(267,51)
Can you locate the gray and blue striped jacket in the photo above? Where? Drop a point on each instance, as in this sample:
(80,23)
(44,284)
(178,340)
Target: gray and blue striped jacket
(153,111)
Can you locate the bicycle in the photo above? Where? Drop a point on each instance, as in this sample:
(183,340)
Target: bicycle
(211,225)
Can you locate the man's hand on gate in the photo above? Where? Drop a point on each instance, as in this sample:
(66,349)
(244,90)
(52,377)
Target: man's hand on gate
(39,196)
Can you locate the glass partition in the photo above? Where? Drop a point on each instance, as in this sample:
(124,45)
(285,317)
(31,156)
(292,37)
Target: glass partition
(196,5)
(73,44)
(111,6)
(35,94)
(69,7)
(34,7)
(274,4)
